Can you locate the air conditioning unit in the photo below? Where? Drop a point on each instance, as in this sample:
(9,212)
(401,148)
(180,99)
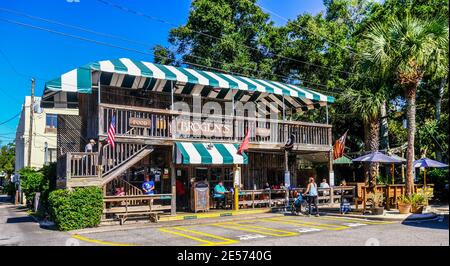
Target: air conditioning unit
(37,107)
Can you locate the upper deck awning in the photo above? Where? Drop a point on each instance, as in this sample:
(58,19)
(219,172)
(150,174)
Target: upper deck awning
(135,74)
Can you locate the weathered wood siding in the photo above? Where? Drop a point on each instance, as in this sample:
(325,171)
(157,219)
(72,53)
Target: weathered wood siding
(69,139)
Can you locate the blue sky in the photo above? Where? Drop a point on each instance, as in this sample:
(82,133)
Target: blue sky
(26,52)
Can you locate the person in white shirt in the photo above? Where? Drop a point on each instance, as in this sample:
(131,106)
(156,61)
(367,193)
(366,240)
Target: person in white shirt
(90,146)
(324,184)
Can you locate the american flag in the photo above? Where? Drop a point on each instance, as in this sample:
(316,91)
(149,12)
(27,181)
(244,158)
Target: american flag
(339,146)
(112,132)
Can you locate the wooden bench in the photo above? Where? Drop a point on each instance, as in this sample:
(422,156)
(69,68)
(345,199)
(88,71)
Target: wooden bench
(123,208)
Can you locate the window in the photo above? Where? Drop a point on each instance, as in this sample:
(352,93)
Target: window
(51,155)
(51,121)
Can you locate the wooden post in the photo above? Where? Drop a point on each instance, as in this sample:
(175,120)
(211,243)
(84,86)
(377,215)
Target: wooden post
(330,160)
(173,202)
(236,182)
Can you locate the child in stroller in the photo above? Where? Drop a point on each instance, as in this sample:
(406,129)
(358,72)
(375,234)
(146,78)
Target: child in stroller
(298,203)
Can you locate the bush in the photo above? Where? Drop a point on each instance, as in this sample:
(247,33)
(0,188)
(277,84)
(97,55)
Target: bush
(9,188)
(76,209)
(32,181)
(49,172)
(439,177)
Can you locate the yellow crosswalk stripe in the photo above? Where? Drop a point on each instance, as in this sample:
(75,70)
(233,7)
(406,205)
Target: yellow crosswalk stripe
(194,235)
(101,242)
(256,229)
(307,224)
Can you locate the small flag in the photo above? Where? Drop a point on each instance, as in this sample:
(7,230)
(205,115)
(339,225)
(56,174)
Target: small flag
(244,145)
(112,132)
(339,146)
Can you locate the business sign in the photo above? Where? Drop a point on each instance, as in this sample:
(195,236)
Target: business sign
(204,128)
(139,122)
(263,132)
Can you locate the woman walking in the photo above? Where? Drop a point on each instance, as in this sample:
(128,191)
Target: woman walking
(311,194)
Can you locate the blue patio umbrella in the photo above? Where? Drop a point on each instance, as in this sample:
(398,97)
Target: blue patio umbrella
(426,163)
(378,157)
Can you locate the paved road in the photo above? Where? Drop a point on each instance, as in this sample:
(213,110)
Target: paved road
(17,229)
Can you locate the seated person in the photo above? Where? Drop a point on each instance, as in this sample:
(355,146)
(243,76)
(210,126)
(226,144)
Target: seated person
(219,192)
(148,186)
(120,191)
(324,184)
(266,186)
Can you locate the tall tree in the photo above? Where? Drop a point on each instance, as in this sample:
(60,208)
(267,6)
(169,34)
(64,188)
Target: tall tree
(225,34)
(7,159)
(404,48)
(365,104)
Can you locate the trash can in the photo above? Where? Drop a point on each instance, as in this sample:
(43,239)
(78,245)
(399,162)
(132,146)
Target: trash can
(200,196)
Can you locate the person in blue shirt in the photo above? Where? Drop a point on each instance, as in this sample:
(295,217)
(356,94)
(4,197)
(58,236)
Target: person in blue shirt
(148,186)
(219,193)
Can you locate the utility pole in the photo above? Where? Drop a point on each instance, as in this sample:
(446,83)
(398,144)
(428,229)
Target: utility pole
(30,134)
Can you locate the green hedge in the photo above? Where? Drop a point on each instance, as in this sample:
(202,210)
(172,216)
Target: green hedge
(76,209)
(32,181)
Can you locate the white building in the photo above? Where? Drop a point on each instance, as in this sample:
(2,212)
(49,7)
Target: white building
(43,134)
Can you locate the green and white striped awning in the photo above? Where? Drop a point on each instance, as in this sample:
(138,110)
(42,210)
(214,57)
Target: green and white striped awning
(135,74)
(203,153)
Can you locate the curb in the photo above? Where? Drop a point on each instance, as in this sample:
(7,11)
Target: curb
(426,216)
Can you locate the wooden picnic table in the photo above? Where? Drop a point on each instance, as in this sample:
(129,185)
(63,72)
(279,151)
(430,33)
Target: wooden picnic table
(135,205)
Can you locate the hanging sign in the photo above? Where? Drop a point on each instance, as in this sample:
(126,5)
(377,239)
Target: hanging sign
(139,122)
(263,132)
(237,177)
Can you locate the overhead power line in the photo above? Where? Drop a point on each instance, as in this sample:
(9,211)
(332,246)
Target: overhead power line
(10,119)
(137,13)
(127,48)
(312,32)
(151,48)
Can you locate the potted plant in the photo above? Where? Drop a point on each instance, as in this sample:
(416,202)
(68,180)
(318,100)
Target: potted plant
(404,204)
(376,201)
(418,201)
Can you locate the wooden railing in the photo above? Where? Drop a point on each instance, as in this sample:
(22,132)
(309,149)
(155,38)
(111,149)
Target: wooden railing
(81,164)
(149,123)
(392,192)
(277,197)
(112,158)
(88,165)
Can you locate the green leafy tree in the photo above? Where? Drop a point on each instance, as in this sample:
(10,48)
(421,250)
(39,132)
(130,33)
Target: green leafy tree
(7,160)
(365,104)
(404,48)
(218,34)
(32,181)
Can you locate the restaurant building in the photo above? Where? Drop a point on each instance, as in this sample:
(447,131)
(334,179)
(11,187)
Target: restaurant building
(182,125)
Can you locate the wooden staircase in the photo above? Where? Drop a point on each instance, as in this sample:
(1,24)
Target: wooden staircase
(86,169)
(118,164)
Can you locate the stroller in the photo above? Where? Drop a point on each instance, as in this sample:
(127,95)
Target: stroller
(299,205)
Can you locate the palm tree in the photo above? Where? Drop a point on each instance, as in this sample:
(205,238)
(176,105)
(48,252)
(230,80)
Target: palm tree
(366,104)
(404,49)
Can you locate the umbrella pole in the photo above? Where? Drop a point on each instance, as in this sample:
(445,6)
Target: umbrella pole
(424,178)
(425,184)
(393,172)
